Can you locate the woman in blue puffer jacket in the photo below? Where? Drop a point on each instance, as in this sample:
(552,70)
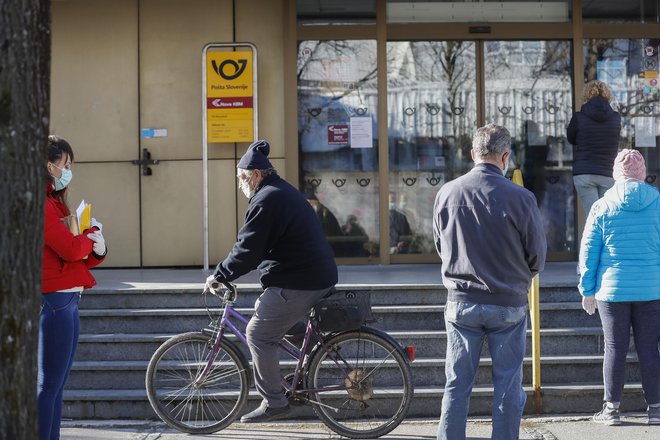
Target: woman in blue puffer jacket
(620,272)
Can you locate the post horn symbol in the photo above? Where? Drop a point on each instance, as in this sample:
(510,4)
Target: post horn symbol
(528,109)
(504,110)
(239,68)
(409,181)
(433,181)
(363,182)
(339,182)
(457,110)
(314,183)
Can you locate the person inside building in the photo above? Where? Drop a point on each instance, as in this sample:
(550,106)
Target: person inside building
(67,258)
(594,131)
(400,231)
(620,274)
(355,237)
(489,235)
(329,223)
(536,155)
(282,237)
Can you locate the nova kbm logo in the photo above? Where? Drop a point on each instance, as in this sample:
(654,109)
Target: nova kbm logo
(236,70)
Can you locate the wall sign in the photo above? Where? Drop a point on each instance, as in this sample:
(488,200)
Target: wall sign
(229,97)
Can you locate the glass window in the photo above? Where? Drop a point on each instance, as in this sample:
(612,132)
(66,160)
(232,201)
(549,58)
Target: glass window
(338,144)
(533,99)
(431,98)
(445,11)
(618,11)
(321,12)
(631,69)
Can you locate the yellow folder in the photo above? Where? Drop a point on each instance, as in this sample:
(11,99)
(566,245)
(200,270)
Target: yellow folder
(86,218)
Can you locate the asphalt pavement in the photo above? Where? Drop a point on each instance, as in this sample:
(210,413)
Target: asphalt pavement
(574,427)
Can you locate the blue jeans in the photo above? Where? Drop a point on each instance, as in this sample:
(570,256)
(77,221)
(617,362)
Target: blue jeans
(468,324)
(644,318)
(59,328)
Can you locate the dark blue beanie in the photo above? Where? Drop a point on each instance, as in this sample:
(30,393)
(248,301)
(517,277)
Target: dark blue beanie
(256,157)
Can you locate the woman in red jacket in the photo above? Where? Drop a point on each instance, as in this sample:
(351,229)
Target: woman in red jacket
(67,259)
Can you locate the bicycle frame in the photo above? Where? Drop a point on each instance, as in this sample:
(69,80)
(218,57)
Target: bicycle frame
(225,323)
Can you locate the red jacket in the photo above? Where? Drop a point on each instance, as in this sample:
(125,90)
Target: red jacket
(63,263)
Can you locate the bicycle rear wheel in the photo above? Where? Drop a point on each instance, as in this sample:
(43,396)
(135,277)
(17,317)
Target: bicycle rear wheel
(205,408)
(369,385)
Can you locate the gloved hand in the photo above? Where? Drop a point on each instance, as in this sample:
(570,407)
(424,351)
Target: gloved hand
(97,224)
(99,242)
(589,304)
(212,284)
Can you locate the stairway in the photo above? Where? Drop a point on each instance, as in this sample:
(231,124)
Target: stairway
(121,328)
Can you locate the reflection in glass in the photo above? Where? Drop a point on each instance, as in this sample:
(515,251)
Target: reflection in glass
(431,98)
(631,68)
(617,11)
(528,91)
(337,134)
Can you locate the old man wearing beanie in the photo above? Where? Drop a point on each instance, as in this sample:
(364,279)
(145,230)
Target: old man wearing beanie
(283,239)
(620,275)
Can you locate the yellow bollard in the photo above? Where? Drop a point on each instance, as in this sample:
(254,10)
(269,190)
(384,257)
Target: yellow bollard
(535,316)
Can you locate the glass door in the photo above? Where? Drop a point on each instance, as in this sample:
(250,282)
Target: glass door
(432,113)
(528,90)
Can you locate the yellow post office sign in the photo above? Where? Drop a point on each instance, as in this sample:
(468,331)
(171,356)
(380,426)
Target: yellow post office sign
(229,97)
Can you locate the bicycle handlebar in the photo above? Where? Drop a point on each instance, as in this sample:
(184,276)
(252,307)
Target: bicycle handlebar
(229,295)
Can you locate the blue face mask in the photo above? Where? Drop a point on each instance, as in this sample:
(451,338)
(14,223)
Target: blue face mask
(506,167)
(64,180)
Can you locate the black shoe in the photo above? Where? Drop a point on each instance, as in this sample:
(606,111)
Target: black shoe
(265,414)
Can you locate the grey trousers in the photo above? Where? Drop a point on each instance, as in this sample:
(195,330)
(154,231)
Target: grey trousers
(276,310)
(591,187)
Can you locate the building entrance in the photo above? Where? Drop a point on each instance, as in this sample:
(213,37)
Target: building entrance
(438,92)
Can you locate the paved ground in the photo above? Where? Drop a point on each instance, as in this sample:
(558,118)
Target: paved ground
(544,428)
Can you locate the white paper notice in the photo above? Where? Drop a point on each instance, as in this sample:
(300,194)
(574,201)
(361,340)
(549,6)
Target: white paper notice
(361,133)
(644,131)
(80,210)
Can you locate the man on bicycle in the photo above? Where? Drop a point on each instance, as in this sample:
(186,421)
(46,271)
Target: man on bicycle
(282,237)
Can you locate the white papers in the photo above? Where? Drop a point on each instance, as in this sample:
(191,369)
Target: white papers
(645,131)
(361,133)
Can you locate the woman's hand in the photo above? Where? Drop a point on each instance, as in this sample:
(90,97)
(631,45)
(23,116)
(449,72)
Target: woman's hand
(589,304)
(99,242)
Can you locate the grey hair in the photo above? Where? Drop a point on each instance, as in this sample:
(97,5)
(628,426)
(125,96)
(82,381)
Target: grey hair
(491,141)
(264,173)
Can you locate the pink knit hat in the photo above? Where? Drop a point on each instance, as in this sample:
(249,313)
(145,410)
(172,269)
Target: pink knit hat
(629,164)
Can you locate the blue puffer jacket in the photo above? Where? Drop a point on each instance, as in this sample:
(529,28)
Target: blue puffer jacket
(620,250)
(594,130)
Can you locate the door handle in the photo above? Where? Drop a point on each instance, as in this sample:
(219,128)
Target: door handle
(145,162)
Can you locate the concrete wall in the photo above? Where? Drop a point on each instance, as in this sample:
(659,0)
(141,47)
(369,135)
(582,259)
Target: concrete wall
(137,64)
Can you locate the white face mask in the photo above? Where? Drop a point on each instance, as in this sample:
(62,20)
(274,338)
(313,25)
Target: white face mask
(244,185)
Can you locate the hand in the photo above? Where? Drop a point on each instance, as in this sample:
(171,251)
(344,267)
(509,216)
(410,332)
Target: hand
(99,242)
(212,284)
(589,304)
(97,224)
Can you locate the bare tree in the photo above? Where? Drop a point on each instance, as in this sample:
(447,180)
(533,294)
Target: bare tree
(24,110)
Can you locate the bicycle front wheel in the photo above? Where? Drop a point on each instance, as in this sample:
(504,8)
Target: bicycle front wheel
(196,409)
(363,384)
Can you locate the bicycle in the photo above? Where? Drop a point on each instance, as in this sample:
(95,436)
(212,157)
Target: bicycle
(358,382)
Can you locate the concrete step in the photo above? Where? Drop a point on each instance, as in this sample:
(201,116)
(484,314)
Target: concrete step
(426,371)
(141,346)
(557,399)
(400,317)
(191,297)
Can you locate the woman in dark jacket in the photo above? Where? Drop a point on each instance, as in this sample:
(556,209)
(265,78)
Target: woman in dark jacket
(67,258)
(594,130)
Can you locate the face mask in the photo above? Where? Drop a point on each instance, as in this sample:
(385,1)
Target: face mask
(392,206)
(245,187)
(506,167)
(62,181)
